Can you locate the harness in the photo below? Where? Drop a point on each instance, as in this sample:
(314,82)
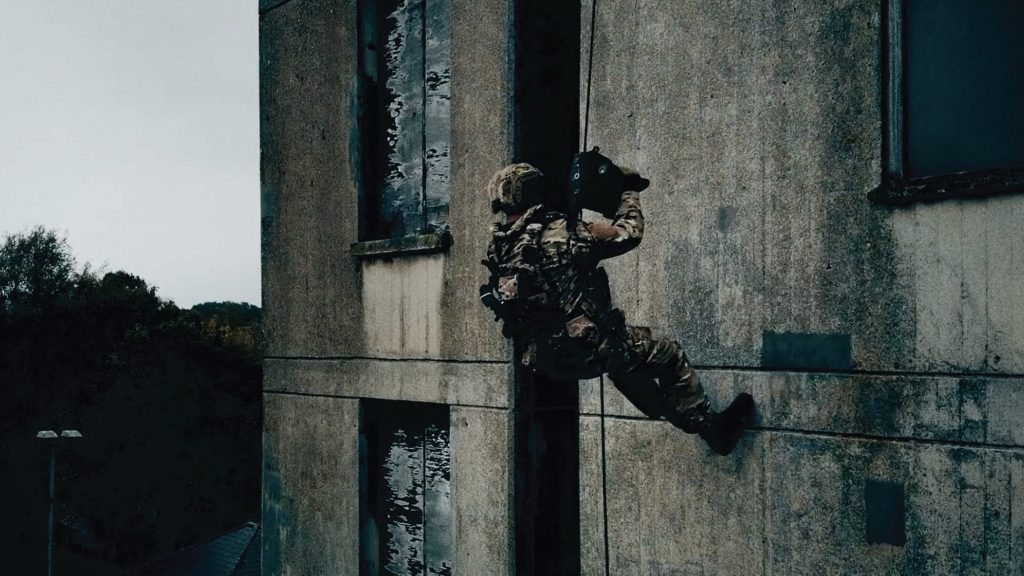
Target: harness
(519,291)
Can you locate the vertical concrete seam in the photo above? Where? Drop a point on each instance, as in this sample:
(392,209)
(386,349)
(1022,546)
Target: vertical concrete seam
(1010,509)
(964,360)
(960,409)
(961,481)
(510,490)
(915,246)
(765,508)
(988,322)
(985,492)
(1013,266)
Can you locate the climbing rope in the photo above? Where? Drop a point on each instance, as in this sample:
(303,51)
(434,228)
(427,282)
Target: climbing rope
(604,483)
(586,134)
(590,74)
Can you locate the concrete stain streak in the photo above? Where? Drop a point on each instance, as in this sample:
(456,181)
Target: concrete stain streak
(406,359)
(401,301)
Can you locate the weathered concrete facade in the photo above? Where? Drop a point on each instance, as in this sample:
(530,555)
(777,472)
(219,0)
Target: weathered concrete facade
(406,328)
(760,126)
(881,344)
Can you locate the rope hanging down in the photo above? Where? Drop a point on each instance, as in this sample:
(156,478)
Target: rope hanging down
(586,134)
(590,74)
(604,484)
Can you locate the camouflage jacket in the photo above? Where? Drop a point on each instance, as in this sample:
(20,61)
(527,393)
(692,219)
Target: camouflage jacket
(544,269)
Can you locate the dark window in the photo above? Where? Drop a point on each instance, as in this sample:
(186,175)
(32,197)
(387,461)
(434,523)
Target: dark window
(955,87)
(405,493)
(405,72)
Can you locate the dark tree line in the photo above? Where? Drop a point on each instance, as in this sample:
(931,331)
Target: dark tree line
(168,401)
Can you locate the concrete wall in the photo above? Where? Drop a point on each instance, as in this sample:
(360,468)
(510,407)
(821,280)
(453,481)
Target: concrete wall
(320,300)
(339,328)
(879,343)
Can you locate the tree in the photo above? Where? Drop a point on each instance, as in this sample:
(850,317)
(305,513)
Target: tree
(36,269)
(169,401)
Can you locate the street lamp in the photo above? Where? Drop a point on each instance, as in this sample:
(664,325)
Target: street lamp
(51,435)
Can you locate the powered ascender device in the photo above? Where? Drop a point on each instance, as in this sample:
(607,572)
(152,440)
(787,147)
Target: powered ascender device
(596,183)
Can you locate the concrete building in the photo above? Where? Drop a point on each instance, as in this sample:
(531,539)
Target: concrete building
(831,226)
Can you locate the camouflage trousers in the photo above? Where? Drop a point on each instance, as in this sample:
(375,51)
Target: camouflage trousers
(652,373)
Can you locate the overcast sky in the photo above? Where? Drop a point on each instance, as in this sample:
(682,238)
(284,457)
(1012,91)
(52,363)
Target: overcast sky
(132,127)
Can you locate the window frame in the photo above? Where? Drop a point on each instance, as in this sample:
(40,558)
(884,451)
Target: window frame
(896,187)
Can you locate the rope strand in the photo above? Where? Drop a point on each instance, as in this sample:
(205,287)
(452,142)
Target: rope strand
(604,458)
(604,485)
(590,73)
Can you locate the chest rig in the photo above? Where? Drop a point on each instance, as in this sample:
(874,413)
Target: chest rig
(518,291)
(538,281)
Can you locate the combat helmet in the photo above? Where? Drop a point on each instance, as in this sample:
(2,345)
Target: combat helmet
(515,188)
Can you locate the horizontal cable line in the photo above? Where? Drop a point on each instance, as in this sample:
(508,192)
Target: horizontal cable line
(379,359)
(826,371)
(707,367)
(845,435)
(390,398)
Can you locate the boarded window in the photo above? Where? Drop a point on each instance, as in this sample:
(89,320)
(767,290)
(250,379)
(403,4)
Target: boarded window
(406,493)
(406,75)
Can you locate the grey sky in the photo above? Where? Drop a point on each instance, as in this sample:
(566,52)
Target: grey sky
(132,126)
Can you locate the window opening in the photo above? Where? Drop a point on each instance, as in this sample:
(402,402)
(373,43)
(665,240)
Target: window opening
(406,489)
(954,87)
(406,117)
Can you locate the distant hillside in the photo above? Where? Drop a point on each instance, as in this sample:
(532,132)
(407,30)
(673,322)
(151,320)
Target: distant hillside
(234,314)
(234,324)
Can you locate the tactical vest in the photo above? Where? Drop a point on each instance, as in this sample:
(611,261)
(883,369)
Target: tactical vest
(518,291)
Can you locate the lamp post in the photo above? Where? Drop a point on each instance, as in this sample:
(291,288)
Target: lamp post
(53,437)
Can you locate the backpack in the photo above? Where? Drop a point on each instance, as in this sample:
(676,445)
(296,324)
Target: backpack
(517,290)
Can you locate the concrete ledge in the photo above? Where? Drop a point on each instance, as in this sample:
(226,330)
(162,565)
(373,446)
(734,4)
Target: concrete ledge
(973,410)
(455,383)
(404,246)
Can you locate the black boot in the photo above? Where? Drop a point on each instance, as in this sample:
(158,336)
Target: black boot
(724,429)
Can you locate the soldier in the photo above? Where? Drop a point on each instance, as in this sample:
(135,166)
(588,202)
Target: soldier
(546,287)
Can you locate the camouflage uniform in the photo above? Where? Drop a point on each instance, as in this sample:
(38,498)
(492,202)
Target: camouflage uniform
(549,290)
